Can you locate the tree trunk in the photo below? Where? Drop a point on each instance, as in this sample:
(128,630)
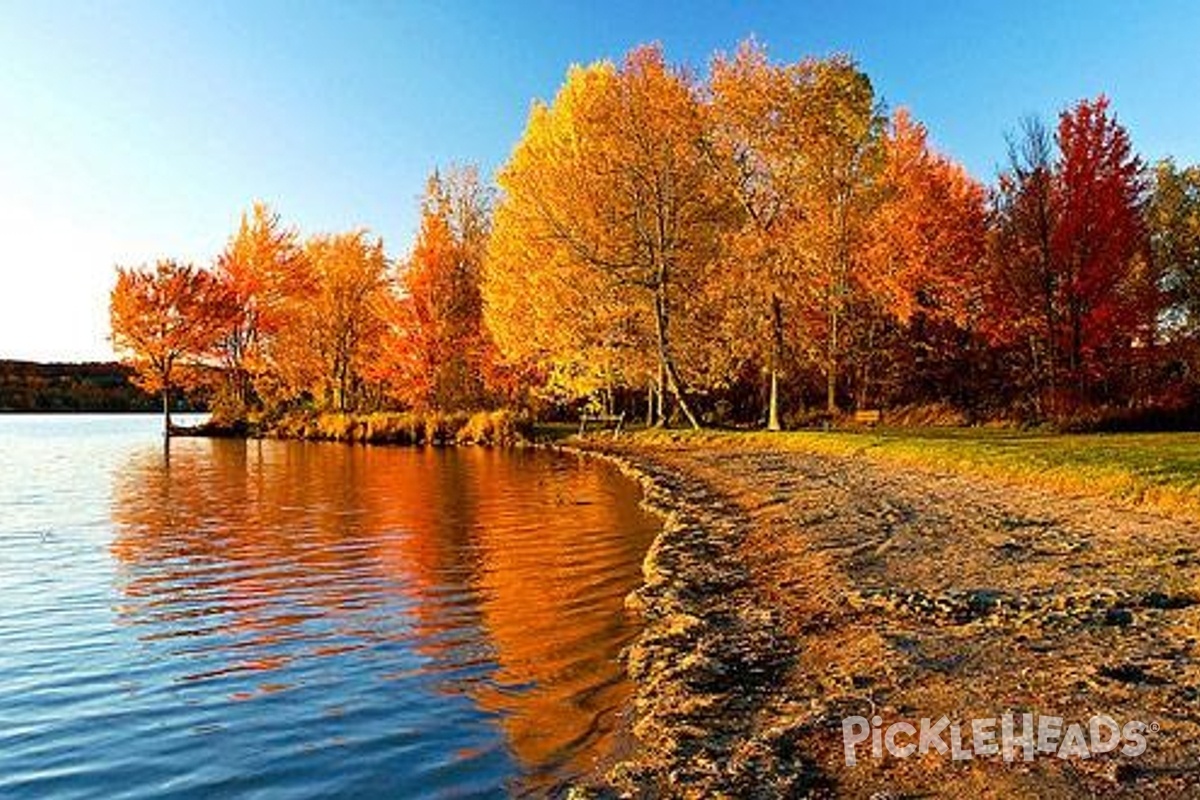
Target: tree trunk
(660,397)
(773,403)
(673,383)
(1039,386)
(1049,289)
(166,406)
(865,374)
(831,389)
(831,365)
(649,404)
(1077,353)
(776,358)
(665,361)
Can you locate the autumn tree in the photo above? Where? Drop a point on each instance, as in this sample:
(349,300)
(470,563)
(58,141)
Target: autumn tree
(441,350)
(754,159)
(800,147)
(838,131)
(330,332)
(554,315)
(1024,287)
(165,320)
(1173,220)
(262,266)
(1074,279)
(926,258)
(609,182)
(566,328)
(929,229)
(1108,294)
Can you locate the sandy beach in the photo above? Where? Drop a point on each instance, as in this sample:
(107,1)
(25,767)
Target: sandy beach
(790,591)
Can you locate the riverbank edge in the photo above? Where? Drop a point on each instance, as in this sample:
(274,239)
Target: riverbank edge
(709,661)
(495,428)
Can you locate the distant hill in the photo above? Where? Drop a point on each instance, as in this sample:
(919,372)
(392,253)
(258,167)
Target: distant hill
(29,386)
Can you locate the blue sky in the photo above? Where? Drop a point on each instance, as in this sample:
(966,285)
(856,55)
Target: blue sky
(133,130)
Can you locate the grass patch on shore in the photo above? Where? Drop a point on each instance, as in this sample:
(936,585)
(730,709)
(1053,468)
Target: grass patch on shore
(502,428)
(1157,470)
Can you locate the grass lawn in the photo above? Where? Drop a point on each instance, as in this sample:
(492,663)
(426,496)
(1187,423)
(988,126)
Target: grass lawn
(1157,470)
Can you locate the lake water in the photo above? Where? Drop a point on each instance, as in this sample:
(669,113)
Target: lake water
(285,619)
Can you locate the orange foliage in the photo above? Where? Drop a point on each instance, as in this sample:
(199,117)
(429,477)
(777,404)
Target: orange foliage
(608,195)
(332,331)
(262,266)
(166,320)
(439,350)
(929,233)
(767,233)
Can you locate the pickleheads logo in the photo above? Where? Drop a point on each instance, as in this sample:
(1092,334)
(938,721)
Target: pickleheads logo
(1012,736)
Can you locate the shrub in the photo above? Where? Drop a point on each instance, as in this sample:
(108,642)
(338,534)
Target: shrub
(478,430)
(292,425)
(510,427)
(442,428)
(498,428)
(334,427)
(395,428)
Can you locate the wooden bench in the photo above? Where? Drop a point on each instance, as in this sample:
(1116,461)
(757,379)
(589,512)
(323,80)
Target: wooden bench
(869,416)
(616,420)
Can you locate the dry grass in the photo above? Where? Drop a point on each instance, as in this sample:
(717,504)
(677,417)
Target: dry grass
(1160,471)
(500,428)
(497,428)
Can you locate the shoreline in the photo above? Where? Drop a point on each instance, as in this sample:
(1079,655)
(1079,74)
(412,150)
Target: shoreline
(789,590)
(707,663)
(499,428)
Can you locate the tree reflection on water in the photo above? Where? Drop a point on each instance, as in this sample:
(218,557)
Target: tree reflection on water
(494,576)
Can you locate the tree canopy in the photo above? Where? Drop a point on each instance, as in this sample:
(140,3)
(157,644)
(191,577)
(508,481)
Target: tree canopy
(763,244)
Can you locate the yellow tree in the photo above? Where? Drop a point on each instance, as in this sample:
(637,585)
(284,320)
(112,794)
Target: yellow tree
(836,131)
(166,320)
(610,183)
(330,333)
(755,158)
(799,148)
(567,328)
(840,136)
(1173,222)
(553,314)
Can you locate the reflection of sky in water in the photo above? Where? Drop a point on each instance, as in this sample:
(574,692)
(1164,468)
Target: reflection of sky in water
(305,618)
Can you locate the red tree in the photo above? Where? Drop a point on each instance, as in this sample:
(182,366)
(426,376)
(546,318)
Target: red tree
(1108,302)
(1072,287)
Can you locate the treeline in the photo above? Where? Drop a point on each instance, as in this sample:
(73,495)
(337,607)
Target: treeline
(29,386)
(280,322)
(765,245)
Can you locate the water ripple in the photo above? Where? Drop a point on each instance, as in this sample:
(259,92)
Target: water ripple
(291,620)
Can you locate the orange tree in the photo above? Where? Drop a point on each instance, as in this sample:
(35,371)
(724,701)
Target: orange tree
(166,319)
